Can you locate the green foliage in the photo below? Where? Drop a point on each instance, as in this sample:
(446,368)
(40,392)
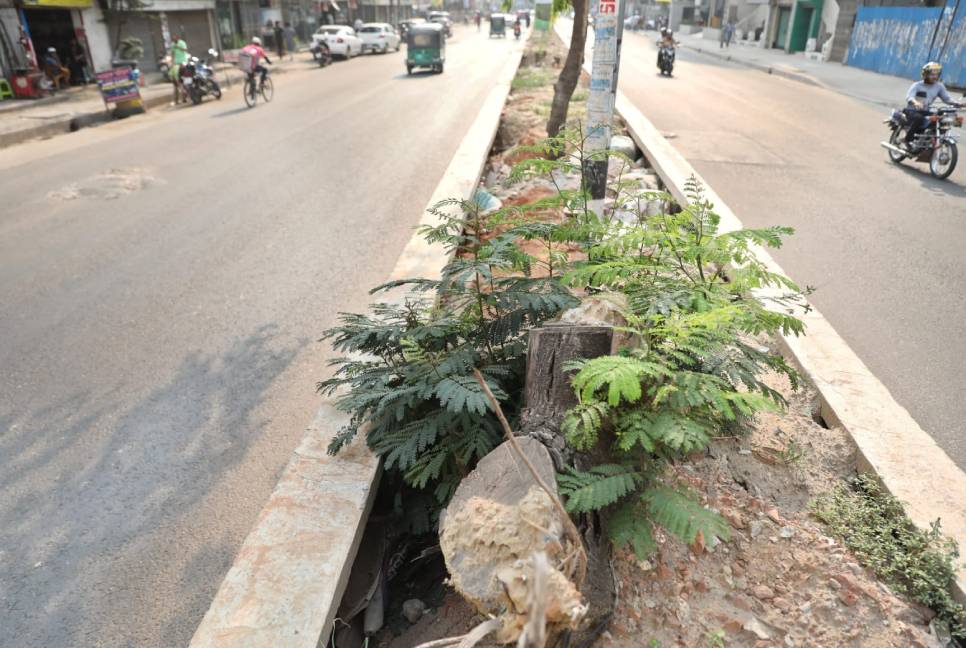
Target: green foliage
(599,487)
(529,78)
(407,379)
(696,297)
(913,562)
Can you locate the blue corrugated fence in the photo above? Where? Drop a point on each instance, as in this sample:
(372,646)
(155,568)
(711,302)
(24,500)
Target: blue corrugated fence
(898,40)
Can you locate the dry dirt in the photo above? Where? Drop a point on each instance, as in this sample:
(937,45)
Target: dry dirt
(778,581)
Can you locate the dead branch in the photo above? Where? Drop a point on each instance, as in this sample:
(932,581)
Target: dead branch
(534,633)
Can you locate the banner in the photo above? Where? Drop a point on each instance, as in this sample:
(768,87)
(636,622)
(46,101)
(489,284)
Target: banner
(119,84)
(64,4)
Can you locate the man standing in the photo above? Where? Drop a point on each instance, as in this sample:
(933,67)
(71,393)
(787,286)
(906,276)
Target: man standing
(279,39)
(179,56)
(290,40)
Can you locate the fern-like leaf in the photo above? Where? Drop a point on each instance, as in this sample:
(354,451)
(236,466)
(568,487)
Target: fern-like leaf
(582,424)
(628,524)
(682,516)
(597,488)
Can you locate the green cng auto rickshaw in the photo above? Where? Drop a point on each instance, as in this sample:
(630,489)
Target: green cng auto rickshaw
(426,47)
(498,25)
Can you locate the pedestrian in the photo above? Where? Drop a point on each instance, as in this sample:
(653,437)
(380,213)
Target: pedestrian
(357,25)
(727,33)
(290,40)
(55,70)
(279,39)
(78,62)
(179,56)
(479,19)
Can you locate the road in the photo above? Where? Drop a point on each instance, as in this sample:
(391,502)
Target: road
(163,282)
(881,243)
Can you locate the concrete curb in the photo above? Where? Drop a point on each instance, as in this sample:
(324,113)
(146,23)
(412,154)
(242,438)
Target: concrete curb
(287,581)
(801,77)
(890,443)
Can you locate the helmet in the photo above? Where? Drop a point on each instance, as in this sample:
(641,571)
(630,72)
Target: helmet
(256,40)
(665,31)
(931,68)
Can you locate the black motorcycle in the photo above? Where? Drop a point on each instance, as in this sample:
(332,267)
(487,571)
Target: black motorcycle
(198,79)
(320,52)
(665,60)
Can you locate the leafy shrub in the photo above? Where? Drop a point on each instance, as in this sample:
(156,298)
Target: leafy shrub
(409,382)
(695,301)
(874,526)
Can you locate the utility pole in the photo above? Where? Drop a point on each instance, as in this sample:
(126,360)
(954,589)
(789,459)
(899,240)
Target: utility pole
(608,33)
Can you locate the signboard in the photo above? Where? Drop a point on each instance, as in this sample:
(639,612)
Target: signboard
(64,4)
(119,84)
(541,18)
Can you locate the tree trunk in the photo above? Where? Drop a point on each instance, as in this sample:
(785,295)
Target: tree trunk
(563,89)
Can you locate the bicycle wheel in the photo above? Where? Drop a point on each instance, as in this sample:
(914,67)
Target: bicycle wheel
(249,92)
(268,90)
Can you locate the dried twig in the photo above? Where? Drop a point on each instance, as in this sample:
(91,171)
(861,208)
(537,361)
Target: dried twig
(581,567)
(534,633)
(468,640)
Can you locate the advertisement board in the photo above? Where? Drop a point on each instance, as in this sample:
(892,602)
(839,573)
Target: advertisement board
(119,84)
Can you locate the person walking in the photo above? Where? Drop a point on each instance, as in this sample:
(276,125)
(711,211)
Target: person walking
(729,32)
(279,39)
(290,40)
(78,62)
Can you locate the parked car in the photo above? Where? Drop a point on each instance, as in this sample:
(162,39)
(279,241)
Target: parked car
(341,39)
(379,37)
(443,18)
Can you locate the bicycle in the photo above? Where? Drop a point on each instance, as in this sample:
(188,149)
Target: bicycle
(264,88)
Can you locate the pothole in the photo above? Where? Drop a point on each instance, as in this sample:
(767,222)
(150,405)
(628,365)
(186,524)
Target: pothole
(107,186)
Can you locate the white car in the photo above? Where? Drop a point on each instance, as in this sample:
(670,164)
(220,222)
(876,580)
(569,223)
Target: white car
(341,39)
(379,37)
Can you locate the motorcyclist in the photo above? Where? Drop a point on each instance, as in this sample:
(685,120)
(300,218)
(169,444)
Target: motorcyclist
(254,48)
(921,95)
(666,40)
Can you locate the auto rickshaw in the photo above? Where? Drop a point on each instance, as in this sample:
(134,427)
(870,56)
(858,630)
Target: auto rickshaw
(498,25)
(426,47)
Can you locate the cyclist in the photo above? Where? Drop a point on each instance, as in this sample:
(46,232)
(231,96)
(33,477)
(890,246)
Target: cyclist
(254,49)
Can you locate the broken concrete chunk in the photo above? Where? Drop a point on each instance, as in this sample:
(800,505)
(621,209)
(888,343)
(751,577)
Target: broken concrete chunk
(413,610)
(498,520)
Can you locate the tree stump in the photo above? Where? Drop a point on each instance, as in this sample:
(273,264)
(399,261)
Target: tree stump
(548,393)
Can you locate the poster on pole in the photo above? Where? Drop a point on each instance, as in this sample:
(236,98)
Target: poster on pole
(542,10)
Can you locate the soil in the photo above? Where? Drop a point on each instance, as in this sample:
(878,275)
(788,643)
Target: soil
(779,580)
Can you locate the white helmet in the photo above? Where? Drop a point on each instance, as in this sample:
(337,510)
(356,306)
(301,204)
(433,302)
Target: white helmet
(256,40)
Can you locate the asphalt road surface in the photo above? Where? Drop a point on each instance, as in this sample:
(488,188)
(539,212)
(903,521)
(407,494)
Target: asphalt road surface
(882,243)
(163,282)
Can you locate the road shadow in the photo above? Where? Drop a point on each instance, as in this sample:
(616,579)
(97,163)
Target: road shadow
(229,113)
(82,483)
(920,172)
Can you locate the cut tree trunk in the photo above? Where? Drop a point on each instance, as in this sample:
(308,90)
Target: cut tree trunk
(563,89)
(548,393)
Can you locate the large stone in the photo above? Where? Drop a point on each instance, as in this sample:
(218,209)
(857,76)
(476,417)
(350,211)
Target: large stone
(497,521)
(624,145)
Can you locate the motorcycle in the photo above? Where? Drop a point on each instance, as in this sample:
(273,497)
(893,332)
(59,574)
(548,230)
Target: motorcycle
(936,144)
(665,60)
(320,53)
(205,77)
